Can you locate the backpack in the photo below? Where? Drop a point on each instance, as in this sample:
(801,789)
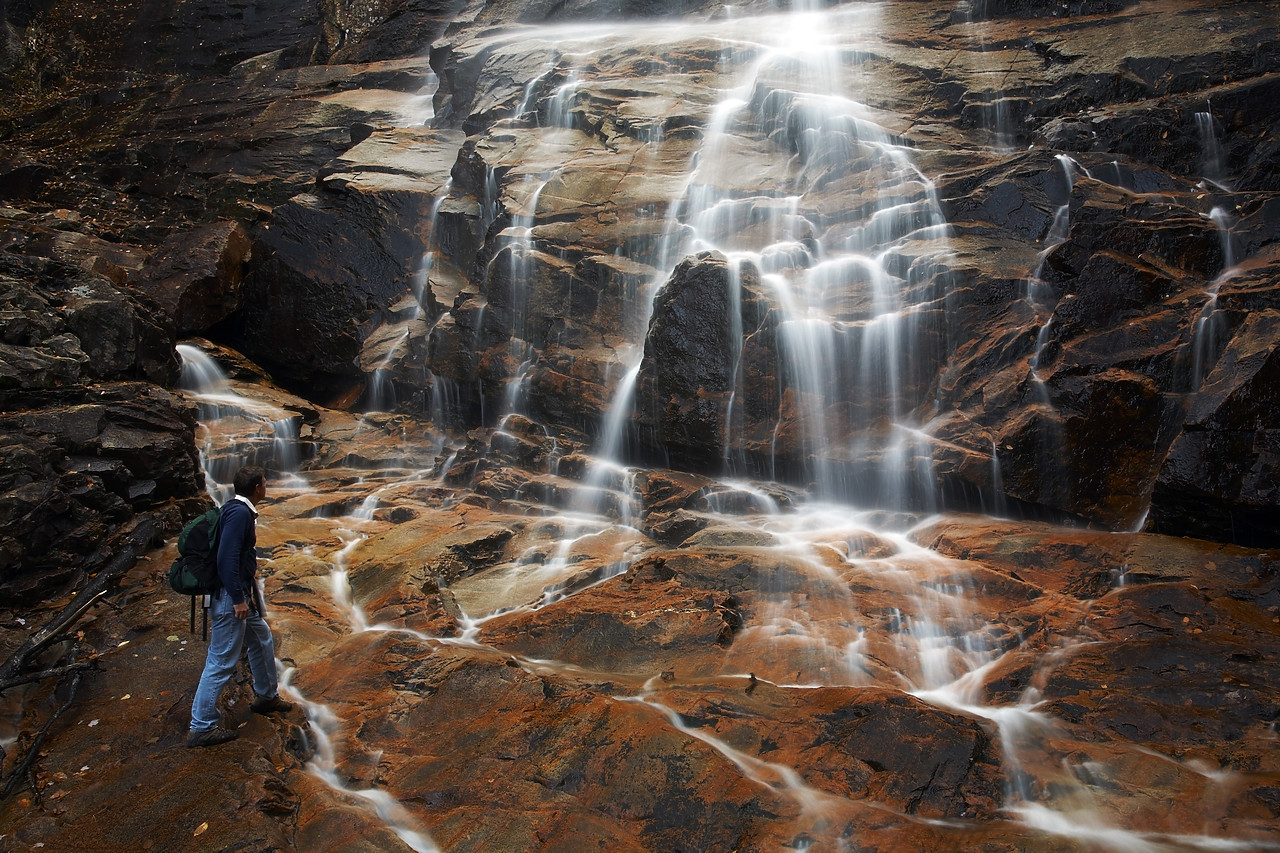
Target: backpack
(195,571)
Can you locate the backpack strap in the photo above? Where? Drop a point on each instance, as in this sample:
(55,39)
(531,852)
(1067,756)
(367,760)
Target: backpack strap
(205,600)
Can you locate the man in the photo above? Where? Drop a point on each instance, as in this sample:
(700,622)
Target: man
(236,613)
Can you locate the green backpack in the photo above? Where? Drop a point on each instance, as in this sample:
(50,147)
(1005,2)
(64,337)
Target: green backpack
(195,572)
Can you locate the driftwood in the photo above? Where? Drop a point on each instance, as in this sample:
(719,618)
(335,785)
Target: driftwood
(70,670)
(23,770)
(47,673)
(134,543)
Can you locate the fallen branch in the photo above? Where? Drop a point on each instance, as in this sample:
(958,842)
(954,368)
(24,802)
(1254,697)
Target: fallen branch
(56,671)
(33,752)
(134,543)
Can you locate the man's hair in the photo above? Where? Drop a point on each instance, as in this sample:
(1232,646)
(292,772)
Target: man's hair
(247,479)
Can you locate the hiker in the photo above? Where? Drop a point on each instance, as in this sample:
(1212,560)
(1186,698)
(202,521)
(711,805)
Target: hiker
(236,613)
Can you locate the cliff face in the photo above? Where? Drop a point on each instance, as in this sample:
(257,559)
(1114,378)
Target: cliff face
(1035,243)
(639,300)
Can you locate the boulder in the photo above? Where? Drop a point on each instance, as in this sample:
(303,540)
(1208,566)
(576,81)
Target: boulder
(691,357)
(196,276)
(319,303)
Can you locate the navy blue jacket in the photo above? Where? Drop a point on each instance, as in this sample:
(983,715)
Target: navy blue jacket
(237,554)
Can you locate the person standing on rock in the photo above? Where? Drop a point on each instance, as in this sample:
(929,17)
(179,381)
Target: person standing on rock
(237,617)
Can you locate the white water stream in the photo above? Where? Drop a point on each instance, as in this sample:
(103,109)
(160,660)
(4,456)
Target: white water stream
(236,430)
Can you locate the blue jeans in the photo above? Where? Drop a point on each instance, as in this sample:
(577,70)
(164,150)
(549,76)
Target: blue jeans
(226,635)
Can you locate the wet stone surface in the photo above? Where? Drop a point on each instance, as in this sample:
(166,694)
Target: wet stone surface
(686,345)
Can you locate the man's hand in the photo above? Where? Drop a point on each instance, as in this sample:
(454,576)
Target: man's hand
(241,610)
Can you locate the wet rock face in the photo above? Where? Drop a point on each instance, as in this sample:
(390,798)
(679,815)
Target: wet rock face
(509,240)
(1002,262)
(765,682)
(1077,382)
(1229,447)
(983,10)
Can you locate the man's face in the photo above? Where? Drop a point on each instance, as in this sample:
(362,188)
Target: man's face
(259,492)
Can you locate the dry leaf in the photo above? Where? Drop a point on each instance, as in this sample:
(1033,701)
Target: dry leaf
(201,828)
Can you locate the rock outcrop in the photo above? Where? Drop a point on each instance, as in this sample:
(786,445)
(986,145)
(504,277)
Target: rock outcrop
(498,228)
(91,436)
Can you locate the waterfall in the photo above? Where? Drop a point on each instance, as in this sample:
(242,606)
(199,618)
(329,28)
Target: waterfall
(836,577)
(1052,443)
(380,391)
(994,111)
(489,201)
(323,729)
(1209,326)
(419,110)
(236,430)
(1212,160)
(529,102)
(522,280)
(1222,220)
(788,84)
(200,373)
(559,108)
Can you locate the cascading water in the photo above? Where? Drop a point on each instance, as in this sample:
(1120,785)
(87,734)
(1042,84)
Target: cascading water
(559,110)
(324,764)
(850,597)
(1042,301)
(419,110)
(380,393)
(1212,159)
(1037,294)
(521,247)
(789,89)
(1207,331)
(993,107)
(237,430)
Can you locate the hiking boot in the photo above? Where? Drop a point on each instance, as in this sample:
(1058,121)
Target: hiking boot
(210,737)
(274,705)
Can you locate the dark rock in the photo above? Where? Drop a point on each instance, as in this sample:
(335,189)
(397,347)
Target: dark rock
(984,10)
(329,264)
(535,679)
(22,177)
(1220,473)
(690,358)
(57,363)
(196,276)
(673,528)
(76,470)
(76,325)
